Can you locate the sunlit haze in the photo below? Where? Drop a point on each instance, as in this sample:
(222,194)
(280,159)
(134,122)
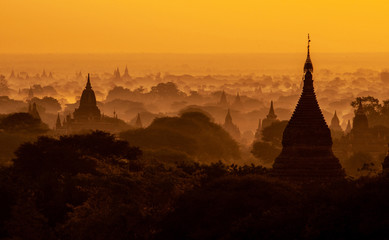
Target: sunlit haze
(194,119)
(192,26)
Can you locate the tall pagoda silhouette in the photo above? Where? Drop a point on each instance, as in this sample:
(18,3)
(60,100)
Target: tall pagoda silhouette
(126,75)
(270,118)
(307,144)
(88,109)
(230,127)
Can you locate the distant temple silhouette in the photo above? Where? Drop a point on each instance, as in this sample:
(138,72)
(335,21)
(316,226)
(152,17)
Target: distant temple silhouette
(336,129)
(32,110)
(88,116)
(230,127)
(116,74)
(335,123)
(307,144)
(88,109)
(237,104)
(126,75)
(270,118)
(361,138)
(223,99)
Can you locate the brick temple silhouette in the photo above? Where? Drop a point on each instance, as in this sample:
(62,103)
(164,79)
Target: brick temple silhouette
(307,144)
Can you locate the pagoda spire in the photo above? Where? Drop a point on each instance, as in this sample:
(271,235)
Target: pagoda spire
(335,126)
(88,84)
(230,127)
(271,114)
(34,112)
(308,63)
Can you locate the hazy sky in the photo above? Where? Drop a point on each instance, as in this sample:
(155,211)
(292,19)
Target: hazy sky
(192,26)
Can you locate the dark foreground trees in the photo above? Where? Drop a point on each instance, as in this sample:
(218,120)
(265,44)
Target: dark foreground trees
(270,146)
(95,186)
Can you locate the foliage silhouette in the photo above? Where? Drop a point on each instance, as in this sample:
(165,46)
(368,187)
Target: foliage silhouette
(95,186)
(22,122)
(193,133)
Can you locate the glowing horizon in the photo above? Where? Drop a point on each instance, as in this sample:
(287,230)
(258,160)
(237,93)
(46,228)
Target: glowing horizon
(201,26)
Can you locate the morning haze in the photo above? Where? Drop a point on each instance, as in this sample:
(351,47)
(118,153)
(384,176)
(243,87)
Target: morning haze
(194,119)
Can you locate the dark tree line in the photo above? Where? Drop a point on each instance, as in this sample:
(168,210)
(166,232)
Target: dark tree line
(96,186)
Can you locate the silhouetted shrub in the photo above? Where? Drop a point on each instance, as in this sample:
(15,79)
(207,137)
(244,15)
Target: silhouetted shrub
(230,207)
(95,186)
(193,133)
(22,122)
(50,167)
(274,132)
(265,151)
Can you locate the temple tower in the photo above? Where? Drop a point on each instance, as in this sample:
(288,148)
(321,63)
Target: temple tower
(32,110)
(12,76)
(335,126)
(230,127)
(307,144)
(44,75)
(223,99)
(116,74)
(88,109)
(336,129)
(270,118)
(126,75)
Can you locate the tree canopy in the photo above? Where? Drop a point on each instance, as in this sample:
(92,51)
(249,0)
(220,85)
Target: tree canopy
(192,133)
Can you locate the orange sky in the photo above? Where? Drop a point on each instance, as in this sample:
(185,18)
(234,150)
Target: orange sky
(192,26)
